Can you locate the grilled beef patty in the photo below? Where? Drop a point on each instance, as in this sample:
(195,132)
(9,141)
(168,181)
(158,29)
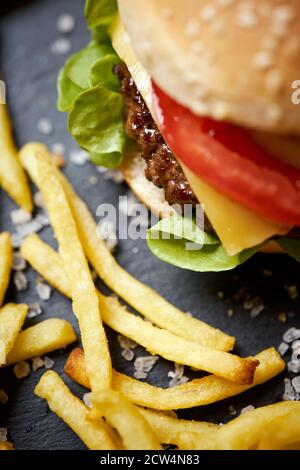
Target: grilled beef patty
(163,170)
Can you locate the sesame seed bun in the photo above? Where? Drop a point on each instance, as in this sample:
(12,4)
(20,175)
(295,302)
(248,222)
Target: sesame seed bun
(233,60)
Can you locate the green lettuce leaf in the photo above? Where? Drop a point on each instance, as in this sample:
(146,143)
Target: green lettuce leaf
(100,12)
(109,160)
(67,91)
(291,246)
(79,65)
(211,257)
(102,73)
(96,121)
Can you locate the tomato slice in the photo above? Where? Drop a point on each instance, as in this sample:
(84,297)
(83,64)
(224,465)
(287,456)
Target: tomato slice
(226,157)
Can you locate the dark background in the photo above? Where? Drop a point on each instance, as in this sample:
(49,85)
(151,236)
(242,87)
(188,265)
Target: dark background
(30,69)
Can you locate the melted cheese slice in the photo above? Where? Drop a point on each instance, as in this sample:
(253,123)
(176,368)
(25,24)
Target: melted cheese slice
(121,44)
(237,227)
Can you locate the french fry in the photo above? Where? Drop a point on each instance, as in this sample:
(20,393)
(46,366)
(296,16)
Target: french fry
(170,430)
(73,412)
(198,392)
(5,262)
(40,339)
(156,309)
(155,340)
(47,262)
(12,318)
(12,176)
(134,430)
(173,348)
(283,433)
(84,296)
(244,432)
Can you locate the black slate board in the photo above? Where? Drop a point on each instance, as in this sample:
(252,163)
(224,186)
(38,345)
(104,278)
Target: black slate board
(30,71)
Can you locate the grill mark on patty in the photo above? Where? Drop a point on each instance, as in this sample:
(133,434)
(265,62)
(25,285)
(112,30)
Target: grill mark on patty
(163,169)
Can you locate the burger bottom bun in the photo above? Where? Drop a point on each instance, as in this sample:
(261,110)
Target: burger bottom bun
(133,169)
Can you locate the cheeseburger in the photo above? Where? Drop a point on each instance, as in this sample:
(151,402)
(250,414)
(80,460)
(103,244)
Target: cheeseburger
(195,101)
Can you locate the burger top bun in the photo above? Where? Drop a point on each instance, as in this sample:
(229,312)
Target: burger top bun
(233,60)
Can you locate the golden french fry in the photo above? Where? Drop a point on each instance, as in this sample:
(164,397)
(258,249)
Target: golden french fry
(46,262)
(73,412)
(170,430)
(6,257)
(155,340)
(6,446)
(198,392)
(283,433)
(244,432)
(12,318)
(134,430)
(42,338)
(84,296)
(156,309)
(12,176)
(173,348)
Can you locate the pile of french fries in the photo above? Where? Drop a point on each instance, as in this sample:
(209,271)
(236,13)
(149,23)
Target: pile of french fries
(125,413)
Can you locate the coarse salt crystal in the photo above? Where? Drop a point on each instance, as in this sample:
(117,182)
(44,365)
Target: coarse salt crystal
(294,366)
(114,175)
(37,363)
(87,399)
(175,382)
(44,291)
(291,335)
(289,392)
(292,291)
(232,410)
(247,409)
(34,310)
(58,148)
(296,346)
(79,157)
(283,348)
(21,370)
(3,434)
(3,397)
(45,126)
(126,343)
(93,180)
(19,263)
(296,383)
(20,216)
(65,23)
(61,46)
(145,363)
(128,354)
(48,362)
(39,200)
(20,280)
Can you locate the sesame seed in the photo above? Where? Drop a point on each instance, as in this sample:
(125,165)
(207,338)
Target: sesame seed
(273,81)
(284,13)
(192,29)
(274,113)
(167,13)
(246,18)
(208,12)
(263,60)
